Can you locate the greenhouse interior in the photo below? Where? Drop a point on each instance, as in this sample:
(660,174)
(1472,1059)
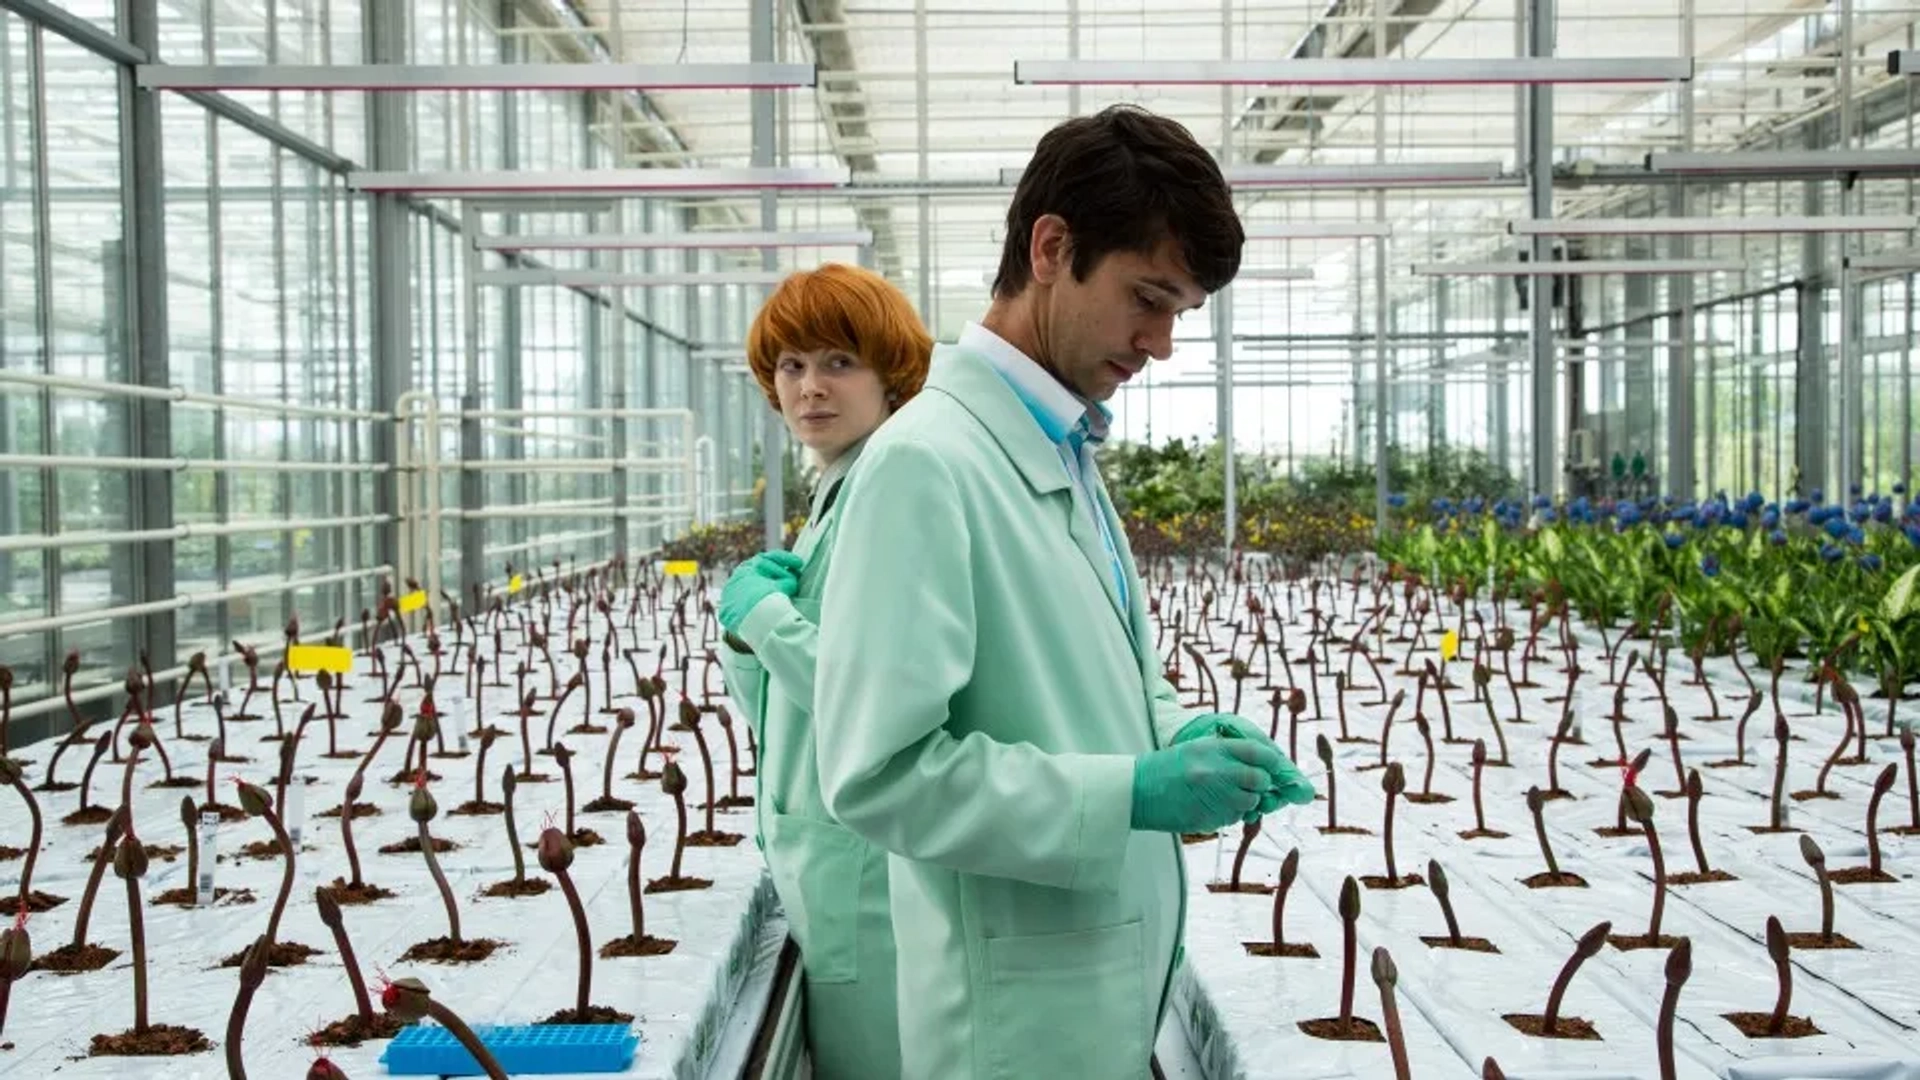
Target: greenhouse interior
(1511,553)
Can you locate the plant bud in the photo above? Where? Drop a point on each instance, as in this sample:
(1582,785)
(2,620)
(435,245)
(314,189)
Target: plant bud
(1384,973)
(405,999)
(1350,899)
(189,813)
(71,665)
(672,780)
(624,718)
(1810,851)
(689,712)
(329,907)
(659,686)
(354,785)
(425,727)
(253,798)
(391,717)
(142,737)
(1325,749)
(1479,753)
(133,684)
(1639,805)
(10,771)
(508,781)
(1680,962)
(556,851)
(130,858)
(636,831)
(322,1069)
(1395,779)
(421,807)
(1297,701)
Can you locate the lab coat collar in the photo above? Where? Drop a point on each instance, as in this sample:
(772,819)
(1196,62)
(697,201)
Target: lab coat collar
(1061,413)
(970,379)
(832,475)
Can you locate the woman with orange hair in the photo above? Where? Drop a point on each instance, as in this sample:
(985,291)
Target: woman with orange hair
(836,350)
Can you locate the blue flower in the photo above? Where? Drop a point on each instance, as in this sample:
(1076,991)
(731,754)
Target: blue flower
(1755,501)
(1779,539)
(1854,490)
(1817,495)
(1476,504)
(1899,489)
(1912,532)
(1856,537)
(1710,565)
(1883,512)
(1397,501)
(1770,520)
(1870,563)
(1541,502)
(1797,506)
(1829,553)
(1836,527)
(1548,517)
(1674,540)
(1737,520)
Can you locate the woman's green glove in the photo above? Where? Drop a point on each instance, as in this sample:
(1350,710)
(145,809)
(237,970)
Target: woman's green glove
(1290,787)
(754,580)
(1201,785)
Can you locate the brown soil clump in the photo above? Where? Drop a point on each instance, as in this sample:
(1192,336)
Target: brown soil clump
(1759,1025)
(1404,881)
(710,839)
(183,897)
(66,958)
(444,950)
(510,890)
(347,894)
(1465,944)
(470,808)
(159,1040)
(91,815)
(1354,1030)
(284,954)
(1693,877)
(627,946)
(1564,1027)
(1250,887)
(1292,950)
(1345,830)
(1814,941)
(1861,875)
(360,810)
(595,1014)
(677,884)
(352,1031)
(1634,942)
(1561,880)
(411,846)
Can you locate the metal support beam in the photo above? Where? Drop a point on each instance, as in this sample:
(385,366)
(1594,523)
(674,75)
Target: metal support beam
(766,148)
(1542,476)
(145,349)
(390,284)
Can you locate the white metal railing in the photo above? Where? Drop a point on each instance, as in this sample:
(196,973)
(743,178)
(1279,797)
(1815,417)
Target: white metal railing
(422,466)
(43,542)
(19,627)
(180,395)
(267,645)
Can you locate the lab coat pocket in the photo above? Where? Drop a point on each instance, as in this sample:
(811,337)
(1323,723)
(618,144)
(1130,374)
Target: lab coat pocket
(1068,1004)
(816,868)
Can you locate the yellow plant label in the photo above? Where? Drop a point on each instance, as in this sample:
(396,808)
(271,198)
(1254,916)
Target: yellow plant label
(413,602)
(514,584)
(305,659)
(1449,646)
(682,568)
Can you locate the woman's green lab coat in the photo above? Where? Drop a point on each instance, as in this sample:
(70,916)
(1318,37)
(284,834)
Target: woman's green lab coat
(832,883)
(981,697)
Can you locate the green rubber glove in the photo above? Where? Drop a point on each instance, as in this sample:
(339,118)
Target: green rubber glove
(1290,786)
(1202,784)
(754,580)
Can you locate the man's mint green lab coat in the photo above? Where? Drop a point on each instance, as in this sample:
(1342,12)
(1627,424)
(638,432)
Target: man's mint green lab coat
(980,698)
(832,883)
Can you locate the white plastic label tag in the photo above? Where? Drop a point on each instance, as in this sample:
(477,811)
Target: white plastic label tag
(296,820)
(203,892)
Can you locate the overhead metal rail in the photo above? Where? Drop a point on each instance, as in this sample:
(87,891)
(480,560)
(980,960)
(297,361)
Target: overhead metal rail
(474,77)
(1354,71)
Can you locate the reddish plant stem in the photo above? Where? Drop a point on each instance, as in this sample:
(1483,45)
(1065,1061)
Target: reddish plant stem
(1247,832)
(1588,945)
(1781,951)
(1679,968)
(1289,870)
(580,936)
(34,836)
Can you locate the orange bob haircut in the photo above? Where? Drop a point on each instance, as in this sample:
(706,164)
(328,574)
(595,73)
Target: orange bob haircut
(847,308)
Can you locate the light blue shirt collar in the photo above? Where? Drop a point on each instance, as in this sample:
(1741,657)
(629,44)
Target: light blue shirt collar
(1060,412)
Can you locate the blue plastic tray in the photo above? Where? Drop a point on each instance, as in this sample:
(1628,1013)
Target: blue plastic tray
(521,1049)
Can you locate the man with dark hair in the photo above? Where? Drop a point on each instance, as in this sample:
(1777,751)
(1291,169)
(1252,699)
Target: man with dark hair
(989,705)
